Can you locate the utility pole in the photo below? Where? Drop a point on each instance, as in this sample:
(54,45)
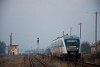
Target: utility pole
(96,30)
(71,31)
(63,33)
(80,36)
(11,39)
(80,29)
(9,47)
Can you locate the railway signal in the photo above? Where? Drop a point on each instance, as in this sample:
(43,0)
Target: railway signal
(38,45)
(38,41)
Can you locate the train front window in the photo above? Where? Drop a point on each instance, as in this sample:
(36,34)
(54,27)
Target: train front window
(71,42)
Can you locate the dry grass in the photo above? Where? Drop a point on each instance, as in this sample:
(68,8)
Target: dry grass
(13,61)
(54,61)
(89,58)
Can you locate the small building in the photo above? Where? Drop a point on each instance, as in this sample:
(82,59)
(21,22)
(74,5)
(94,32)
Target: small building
(93,47)
(98,46)
(93,50)
(13,50)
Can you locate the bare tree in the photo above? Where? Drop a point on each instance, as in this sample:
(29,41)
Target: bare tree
(85,47)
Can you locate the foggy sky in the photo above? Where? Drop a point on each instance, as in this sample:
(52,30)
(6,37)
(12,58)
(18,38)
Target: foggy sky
(46,19)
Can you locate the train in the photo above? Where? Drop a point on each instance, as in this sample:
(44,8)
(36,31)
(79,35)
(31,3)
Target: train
(66,46)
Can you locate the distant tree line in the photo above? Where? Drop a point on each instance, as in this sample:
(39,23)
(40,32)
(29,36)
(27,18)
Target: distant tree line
(2,47)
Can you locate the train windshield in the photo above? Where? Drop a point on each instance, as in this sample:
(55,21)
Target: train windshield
(72,42)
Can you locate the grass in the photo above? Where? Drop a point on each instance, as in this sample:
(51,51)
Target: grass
(13,61)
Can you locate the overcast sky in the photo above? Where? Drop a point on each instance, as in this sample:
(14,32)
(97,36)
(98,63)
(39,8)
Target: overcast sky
(46,19)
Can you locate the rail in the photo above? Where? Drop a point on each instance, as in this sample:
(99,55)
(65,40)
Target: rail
(43,63)
(87,64)
(31,62)
(75,62)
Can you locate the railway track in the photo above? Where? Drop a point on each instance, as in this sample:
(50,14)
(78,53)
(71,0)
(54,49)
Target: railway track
(35,62)
(87,64)
(31,62)
(82,64)
(38,62)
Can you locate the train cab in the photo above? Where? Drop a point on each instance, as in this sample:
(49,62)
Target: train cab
(72,46)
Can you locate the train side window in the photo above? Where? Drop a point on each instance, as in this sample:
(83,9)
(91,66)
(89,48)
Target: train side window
(61,43)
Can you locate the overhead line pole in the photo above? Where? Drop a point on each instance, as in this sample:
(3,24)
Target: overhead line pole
(11,38)
(80,29)
(63,33)
(71,31)
(96,29)
(80,34)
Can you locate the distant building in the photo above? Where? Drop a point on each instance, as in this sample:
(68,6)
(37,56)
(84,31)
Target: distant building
(98,46)
(93,50)
(13,50)
(93,47)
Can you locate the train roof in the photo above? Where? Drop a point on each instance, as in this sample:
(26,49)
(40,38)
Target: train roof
(67,37)
(58,38)
(71,37)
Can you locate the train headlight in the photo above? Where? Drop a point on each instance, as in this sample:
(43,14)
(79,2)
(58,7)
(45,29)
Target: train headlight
(77,48)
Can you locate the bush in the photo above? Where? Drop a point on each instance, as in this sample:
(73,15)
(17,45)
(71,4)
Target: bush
(96,56)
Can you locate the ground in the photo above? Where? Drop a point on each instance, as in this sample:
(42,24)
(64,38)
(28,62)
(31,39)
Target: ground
(14,61)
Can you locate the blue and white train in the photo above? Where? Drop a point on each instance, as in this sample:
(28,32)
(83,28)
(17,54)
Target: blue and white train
(66,46)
